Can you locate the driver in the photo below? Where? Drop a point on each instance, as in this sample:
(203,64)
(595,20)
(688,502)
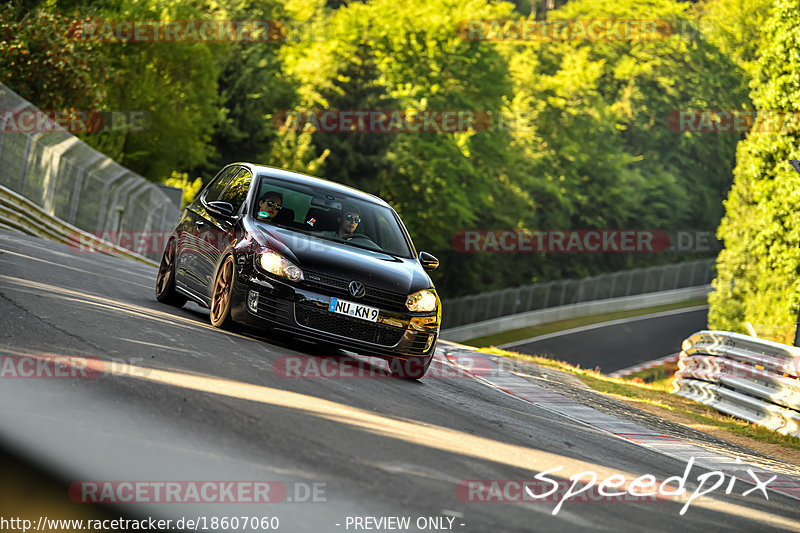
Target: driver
(348,222)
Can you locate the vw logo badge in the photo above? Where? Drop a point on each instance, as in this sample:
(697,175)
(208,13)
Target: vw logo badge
(357,289)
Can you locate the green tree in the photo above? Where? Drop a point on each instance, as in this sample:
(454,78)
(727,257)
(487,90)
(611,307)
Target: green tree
(253,88)
(41,60)
(757,272)
(176,83)
(735,27)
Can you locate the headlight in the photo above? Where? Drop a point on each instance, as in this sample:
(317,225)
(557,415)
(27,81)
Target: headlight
(275,263)
(424,300)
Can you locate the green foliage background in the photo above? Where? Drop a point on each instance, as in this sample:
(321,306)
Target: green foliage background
(579,136)
(758,269)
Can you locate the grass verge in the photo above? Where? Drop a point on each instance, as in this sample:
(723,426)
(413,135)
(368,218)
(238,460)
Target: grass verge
(655,398)
(513,335)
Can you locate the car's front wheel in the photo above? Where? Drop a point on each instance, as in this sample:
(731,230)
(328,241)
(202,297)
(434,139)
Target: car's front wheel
(165,282)
(221,297)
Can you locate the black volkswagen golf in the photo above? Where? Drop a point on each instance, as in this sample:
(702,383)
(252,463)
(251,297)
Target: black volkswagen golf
(283,251)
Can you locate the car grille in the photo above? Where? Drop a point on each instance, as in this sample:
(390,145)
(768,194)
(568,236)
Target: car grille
(353,328)
(372,296)
(418,343)
(272,309)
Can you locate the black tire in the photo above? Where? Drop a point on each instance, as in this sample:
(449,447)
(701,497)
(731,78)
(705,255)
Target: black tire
(411,368)
(221,296)
(165,282)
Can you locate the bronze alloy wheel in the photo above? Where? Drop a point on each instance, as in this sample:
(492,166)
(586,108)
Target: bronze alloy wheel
(221,299)
(165,282)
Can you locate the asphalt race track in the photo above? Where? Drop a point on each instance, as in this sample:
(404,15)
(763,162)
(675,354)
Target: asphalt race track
(184,402)
(621,343)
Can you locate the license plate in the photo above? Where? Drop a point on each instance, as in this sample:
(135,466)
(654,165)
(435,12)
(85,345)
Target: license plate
(344,307)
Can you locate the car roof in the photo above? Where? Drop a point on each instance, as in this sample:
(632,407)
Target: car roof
(305,179)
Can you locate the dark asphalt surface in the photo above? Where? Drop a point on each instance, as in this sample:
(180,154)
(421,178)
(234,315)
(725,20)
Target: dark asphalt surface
(203,404)
(619,345)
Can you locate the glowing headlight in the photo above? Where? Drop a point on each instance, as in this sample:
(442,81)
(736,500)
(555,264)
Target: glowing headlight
(424,300)
(275,263)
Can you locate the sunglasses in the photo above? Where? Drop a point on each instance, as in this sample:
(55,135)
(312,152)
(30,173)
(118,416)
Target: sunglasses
(351,218)
(270,203)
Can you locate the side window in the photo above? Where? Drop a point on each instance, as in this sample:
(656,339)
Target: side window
(236,193)
(216,187)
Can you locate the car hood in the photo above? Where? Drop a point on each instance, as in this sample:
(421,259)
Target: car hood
(343,261)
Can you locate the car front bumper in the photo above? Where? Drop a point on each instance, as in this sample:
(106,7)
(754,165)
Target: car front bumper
(264,302)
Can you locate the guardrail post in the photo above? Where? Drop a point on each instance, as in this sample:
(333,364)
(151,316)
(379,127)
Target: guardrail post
(547,295)
(529,305)
(102,212)
(3,121)
(76,190)
(474,312)
(630,282)
(516,295)
(646,279)
(499,311)
(597,282)
(694,268)
(25,158)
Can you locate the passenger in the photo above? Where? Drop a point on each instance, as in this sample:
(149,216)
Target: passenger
(269,205)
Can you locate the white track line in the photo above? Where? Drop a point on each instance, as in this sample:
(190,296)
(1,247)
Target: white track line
(602,325)
(642,366)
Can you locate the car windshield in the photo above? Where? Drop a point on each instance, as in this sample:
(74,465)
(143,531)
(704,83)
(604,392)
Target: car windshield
(329,214)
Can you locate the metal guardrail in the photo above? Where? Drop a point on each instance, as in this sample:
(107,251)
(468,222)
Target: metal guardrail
(750,378)
(70,180)
(506,302)
(566,312)
(20,214)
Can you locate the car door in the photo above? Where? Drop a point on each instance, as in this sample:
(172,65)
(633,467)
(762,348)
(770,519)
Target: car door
(221,230)
(193,242)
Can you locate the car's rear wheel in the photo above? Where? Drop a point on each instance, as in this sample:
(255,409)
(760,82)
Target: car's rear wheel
(165,282)
(221,297)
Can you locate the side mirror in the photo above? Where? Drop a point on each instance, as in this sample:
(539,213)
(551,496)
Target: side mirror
(428,261)
(223,209)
